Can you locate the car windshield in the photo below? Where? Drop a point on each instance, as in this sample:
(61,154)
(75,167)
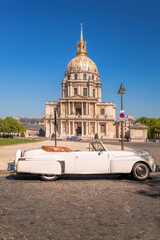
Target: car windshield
(98,146)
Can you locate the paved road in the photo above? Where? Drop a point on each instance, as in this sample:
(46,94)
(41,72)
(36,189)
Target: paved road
(82,207)
(73,208)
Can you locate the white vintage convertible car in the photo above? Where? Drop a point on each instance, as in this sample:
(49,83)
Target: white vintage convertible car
(50,162)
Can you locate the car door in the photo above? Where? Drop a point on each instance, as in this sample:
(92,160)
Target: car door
(92,162)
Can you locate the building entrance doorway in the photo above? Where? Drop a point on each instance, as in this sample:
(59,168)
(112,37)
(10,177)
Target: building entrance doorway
(79,131)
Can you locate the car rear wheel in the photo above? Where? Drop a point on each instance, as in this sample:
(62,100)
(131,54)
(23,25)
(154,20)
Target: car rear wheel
(140,171)
(49,177)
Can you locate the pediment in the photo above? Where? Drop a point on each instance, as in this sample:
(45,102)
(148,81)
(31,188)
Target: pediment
(77,97)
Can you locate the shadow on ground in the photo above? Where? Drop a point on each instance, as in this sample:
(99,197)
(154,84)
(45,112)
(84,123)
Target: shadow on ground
(29,177)
(153,187)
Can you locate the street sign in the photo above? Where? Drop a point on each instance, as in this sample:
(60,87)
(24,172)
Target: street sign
(122,115)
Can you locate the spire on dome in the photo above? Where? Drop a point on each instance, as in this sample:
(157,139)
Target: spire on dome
(81,45)
(81,40)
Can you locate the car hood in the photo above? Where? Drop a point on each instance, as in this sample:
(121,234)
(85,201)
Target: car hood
(128,153)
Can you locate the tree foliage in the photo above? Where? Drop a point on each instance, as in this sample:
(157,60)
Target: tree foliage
(153,125)
(1,125)
(10,125)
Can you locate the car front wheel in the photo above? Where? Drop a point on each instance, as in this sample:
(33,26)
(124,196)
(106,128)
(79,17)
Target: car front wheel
(49,177)
(140,171)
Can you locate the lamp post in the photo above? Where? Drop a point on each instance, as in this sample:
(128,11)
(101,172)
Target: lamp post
(121,91)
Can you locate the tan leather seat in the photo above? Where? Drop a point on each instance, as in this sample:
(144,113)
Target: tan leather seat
(56,149)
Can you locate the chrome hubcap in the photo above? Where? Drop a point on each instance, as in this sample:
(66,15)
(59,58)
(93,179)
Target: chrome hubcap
(141,171)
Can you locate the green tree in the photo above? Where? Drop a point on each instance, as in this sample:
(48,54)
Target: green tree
(10,125)
(1,125)
(22,134)
(153,125)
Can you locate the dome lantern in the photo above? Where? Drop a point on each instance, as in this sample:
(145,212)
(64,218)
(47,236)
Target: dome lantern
(81,51)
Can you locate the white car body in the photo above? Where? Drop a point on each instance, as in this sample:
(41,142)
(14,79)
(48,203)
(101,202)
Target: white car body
(99,161)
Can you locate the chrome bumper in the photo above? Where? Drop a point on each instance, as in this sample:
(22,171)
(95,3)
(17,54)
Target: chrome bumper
(11,167)
(157,168)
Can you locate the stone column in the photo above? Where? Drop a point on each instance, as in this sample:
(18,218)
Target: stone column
(99,93)
(96,93)
(90,89)
(63,92)
(73,128)
(88,127)
(82,108)
(60,109)
(95,127)
(98,129)
(69,128)
(106,129)
(73,107)
(68,108)
(95,109)
(88,108)
(51,129)
(70,90)
(82,129)
(61,127)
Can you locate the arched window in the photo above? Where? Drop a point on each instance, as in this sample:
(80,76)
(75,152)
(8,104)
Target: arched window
(92,77)
(84,76)
(85,92)
(75,76)
(68,77)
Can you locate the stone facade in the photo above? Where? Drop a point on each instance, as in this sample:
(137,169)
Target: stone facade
(80,109)
(138,132)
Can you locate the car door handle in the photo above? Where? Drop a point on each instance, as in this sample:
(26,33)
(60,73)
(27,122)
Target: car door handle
(100,153)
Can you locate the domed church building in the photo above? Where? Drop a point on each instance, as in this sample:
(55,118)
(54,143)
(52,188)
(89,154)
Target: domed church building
(80,110)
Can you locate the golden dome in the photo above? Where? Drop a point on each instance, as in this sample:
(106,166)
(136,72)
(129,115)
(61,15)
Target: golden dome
(81,61)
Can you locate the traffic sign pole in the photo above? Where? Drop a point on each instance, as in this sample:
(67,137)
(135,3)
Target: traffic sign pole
(121,91)
(122,144)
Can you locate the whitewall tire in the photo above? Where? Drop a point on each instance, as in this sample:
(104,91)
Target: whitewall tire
(140,171)
(49,177)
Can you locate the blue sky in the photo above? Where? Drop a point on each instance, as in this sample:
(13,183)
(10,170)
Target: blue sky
(39,37)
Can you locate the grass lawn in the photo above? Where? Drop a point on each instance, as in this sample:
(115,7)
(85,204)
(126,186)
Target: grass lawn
(8,141)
